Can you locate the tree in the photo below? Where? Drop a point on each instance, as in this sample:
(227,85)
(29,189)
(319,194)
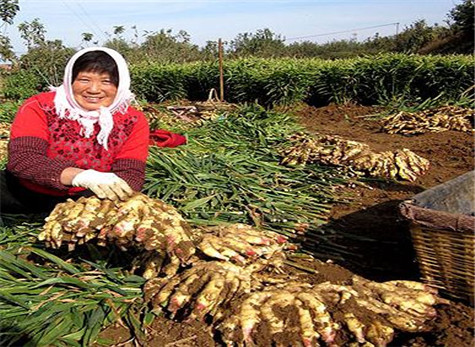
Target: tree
(33,33)
(263,43)
(414,37)
(121,46)
(6,49)
(8,10)
(87,37)
(47,60)
(461,17)
(163,46)
(210,50)
(119,29)
(459,38)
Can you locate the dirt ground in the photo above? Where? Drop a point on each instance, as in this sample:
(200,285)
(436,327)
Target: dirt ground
(365,236)
(372,211)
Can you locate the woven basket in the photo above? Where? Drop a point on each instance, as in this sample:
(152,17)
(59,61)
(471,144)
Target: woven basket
(444,240)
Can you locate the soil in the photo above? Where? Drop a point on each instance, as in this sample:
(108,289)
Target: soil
(365,235)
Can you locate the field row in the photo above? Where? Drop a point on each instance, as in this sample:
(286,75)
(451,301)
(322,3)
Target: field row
(368,81)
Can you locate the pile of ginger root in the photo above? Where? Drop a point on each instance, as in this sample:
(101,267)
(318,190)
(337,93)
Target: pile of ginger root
(235,277)
(401,164)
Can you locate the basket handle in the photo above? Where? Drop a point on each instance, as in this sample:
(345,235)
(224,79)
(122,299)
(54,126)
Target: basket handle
(213,96)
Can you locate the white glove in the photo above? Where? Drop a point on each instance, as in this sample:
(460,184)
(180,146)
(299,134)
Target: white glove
(103,184)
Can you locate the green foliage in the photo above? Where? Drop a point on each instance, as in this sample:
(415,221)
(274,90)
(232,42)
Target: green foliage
(332,83)
(366,80)
(200,78)
(163,46)
(8,109)
(251,79)
(461,17)
(265,81)
(158,82)
(47,61)
(59,303)
(87,37)
(381,79)
(244,80)
(21,85)
(8,10)
(287,84)
(6,49)
(118,29)
(330,50)
(33,32)
(264,43)
(414,37)
(229,171)
(159,47)
(461,35)
(121,46)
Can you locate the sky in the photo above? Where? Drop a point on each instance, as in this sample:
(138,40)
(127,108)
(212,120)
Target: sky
(207,20)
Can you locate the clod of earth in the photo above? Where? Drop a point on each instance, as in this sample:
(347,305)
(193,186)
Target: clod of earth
(232,277)
(333,150)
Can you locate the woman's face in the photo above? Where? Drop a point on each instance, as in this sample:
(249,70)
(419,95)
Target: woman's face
(91,90)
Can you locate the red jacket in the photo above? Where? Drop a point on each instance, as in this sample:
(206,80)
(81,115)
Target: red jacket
(42,146)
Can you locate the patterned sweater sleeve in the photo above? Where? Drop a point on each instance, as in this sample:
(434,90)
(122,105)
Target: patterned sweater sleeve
(130,162)
(28,146)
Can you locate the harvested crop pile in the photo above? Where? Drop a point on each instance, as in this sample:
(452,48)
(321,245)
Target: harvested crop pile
(296,313)
(431,120)
(160,116)
(232,277)
(141,222)
(4,136)
(333,150)
(186,114)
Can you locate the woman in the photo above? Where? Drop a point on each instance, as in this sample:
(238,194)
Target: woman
(83,138)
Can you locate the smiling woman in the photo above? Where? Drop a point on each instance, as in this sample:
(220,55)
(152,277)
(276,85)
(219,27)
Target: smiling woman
(83,138)
(95,80)
(93,90)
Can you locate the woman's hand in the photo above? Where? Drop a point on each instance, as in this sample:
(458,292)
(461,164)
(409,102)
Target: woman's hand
(103,184)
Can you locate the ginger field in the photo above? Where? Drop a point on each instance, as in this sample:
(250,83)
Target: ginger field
(362,250)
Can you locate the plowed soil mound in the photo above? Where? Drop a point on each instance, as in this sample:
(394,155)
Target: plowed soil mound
(365,235)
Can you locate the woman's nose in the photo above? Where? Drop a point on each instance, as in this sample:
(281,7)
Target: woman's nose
(94,87)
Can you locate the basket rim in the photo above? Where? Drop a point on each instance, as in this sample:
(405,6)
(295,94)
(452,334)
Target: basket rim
(440,220)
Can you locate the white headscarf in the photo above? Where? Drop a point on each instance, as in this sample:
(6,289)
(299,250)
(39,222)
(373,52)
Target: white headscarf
(67,107)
